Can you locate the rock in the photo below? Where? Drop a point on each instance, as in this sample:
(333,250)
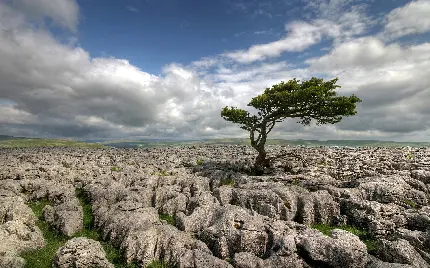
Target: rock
(166,243)
(66,217)
(326,210)
(81,252)
(341,249)
(421,175)
(18,231)
(242,232)
(248,260)
(376,263)
(260,220)
(11,261)
(399,251)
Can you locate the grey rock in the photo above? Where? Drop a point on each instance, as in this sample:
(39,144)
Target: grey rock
(11,261)
(341,249)
(66,217)
(399,251)
(81,252)
(376,263)
(18,231)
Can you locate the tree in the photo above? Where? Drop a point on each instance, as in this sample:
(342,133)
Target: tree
(311,99)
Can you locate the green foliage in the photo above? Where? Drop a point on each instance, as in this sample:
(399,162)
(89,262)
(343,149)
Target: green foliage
(42,258)
(157,264)
(362,234)
(199,162)
(227,181)
(409,156)
(310,100)
(168,218)
(410,203)
(115,168)
(163,173)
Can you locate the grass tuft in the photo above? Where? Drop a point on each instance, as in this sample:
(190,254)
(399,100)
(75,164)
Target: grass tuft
(163,173)
(227,181)
(115,168)
(157,264)
(166,217)
(410,203)
(364,236)
(42,258)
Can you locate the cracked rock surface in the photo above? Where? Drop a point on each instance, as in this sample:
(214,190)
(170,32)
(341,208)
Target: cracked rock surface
(219,215)
(81,252)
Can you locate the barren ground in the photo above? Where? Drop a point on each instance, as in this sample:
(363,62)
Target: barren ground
(197,207)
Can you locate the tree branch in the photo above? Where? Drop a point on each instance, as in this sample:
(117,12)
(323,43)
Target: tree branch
(270,128)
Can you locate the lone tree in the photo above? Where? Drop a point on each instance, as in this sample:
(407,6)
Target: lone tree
(312,99)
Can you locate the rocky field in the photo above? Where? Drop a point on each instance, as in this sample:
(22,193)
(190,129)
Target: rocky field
(198,207)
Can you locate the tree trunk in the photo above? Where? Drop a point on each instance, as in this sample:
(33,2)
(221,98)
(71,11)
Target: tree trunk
(261,162)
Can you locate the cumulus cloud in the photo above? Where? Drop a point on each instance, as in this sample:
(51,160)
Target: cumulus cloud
(62,12)
(362,52)
(52,89)
(413,18)
(389,78)
(57,89)
(301,35)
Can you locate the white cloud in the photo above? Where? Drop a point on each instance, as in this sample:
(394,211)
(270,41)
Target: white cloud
(58,89)
(358,53)
(302,35)
(65,13)
(413,18)
(49,88)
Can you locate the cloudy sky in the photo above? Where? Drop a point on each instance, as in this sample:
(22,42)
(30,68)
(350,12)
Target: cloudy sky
(89,69)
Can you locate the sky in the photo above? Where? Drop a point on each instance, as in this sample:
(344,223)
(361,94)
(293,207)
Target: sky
(110,69)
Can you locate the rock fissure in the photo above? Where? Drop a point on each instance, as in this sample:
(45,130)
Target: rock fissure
(213,214)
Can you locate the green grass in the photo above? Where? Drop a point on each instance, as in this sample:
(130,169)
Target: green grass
(157,264)
(362,234)
(166,217)
(42,258)
(227,181)
(115,168)
(24,143)
(411,203)
(163,173)
(409,156)
(199,162)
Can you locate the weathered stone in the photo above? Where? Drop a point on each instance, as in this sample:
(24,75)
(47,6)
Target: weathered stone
(66,217)
(250,218)
(81,252)
(399,251)
(340,249)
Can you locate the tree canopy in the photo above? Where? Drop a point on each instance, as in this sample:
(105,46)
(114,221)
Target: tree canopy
(314,99)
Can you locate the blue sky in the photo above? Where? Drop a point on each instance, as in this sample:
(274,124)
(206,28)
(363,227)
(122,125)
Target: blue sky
(125,69)
(151,34)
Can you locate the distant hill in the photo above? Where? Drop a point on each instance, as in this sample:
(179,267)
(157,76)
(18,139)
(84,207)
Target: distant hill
(343,143)
(22,142)
(6,137)
(19,142)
